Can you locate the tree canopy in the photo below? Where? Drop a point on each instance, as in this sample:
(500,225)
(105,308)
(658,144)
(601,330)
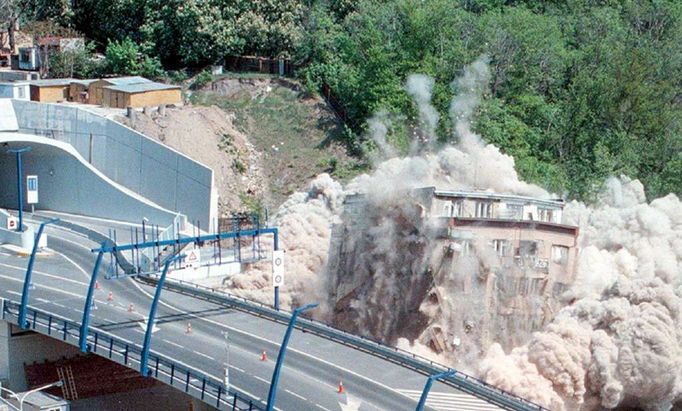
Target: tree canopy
(580,89)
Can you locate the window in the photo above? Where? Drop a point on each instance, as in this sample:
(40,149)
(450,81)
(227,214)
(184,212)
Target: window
(527,248)
(546,214)
(461,247)
(560,254)
(484,209)
(515,211)
(20,92)
(502,247)
(453,209)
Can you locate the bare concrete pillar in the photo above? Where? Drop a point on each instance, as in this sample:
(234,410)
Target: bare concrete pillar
(131,113)
(4,351)
(162,110)
(146,110)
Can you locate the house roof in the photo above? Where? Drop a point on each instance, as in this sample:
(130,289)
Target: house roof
(142,87)
(84,82)
(121,81)
(53,82)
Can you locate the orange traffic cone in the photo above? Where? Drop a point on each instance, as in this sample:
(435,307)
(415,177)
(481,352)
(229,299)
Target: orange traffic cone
(131,308)
(263,356)
(96,285)
(110,297)
(189,328)
(341,389)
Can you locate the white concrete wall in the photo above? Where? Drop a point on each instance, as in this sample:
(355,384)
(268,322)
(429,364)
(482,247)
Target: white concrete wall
(142,165)
(69,184)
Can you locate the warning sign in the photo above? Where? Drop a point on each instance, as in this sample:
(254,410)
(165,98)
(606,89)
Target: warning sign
(193,258)
(12,223)
(278,268)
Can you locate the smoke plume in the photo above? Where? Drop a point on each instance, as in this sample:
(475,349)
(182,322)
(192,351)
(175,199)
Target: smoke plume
(378,268)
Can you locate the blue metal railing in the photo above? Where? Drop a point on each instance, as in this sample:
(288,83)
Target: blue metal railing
(207,388)
(459,380)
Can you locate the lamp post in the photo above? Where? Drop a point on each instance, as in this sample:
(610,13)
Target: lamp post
(282,352)
(20,183)
(29,272)
(22,398)
(427,387)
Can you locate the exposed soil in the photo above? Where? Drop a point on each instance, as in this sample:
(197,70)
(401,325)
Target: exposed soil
(207,135)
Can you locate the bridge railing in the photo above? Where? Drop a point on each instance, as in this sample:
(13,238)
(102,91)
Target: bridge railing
(206,388)
(459,380)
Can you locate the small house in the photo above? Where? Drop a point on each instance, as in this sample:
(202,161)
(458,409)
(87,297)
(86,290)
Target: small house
(141,95)
(79,91)
(29,58)
(50,91)
(95,91)
(17,89)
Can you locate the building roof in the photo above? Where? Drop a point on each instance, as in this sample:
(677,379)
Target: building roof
(141,88)
(84,82)
(14,83)
(510,198)
(53,82)
(121,81)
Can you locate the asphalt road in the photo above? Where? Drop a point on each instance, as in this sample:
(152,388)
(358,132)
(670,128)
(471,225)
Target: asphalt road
(313,367)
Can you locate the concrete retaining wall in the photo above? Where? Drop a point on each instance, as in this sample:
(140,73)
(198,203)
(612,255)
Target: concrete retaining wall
(67,183)
(162,175)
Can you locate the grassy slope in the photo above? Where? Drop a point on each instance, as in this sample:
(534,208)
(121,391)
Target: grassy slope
(295,132)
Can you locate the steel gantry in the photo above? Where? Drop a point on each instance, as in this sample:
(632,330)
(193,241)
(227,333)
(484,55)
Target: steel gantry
(107,247)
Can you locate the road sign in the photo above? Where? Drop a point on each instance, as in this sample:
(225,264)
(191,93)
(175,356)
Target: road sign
(193,258)
(278,268)
(12,223)
(32,189)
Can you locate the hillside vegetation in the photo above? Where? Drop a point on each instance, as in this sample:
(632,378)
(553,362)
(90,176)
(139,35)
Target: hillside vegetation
(581,89)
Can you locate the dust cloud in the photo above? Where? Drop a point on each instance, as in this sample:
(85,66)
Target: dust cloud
(376,268)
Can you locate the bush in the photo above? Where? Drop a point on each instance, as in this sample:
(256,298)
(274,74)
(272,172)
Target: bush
(201,80)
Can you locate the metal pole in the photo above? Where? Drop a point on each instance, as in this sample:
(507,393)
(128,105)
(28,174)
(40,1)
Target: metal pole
(282,353)
(85,323)
(20,184)
(152,314)
(226,382)
(276,247)
(427,387)
(29,271)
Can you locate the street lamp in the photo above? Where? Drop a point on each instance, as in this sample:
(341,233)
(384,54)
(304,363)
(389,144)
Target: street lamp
(282,352)
(22,398)
(20,182)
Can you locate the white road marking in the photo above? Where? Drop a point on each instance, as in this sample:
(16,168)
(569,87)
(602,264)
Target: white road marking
(451,401)
(173,344)
(296,395)
(261,379)
(44,274)
(204,355)
(319,406)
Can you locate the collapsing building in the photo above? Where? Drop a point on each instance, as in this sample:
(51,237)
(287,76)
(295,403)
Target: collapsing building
(452,270)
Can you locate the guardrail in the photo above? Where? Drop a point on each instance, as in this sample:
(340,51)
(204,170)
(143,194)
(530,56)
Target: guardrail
(458,380)
(206,388)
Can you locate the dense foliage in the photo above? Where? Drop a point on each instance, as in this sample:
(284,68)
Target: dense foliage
(580,89)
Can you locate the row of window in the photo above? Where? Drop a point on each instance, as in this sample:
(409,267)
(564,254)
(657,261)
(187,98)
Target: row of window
(484,209)
(526,249)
